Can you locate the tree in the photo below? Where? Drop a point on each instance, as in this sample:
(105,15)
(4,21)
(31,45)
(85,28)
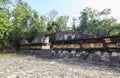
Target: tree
(52,15)
(21,17)
(83,20)
(62,23)
(97,22)
(74,23)
(51,25)
(5,27)
(37,27)
(59,24)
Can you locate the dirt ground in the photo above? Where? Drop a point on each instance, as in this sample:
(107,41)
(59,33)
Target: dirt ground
(31,67)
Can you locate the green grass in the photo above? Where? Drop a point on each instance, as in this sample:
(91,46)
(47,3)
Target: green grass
(8,56)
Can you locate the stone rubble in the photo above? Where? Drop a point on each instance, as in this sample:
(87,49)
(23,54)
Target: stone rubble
(31,67)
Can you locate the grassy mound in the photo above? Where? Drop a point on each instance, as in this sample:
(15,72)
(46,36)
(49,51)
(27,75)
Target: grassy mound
(7,56)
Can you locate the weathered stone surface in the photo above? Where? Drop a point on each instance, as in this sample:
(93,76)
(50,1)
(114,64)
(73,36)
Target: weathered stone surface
(73,53)
(83,55)
(105,57)
(96,56)
(24,41)
(119,57)
(55,54)
(70,55)
(64,54)
(77,54)
(43,54)
(40,39)
(114,58)
(89,56)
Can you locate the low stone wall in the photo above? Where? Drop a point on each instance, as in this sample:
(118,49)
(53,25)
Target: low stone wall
(6,51)
(96,56)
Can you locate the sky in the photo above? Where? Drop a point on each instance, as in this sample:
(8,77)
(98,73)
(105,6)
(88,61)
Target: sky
(72,8)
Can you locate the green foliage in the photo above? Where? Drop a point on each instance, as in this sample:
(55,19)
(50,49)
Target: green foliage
(60,24)
(20,15)
(97,23)
(74,23)
(5,28)
(23,22)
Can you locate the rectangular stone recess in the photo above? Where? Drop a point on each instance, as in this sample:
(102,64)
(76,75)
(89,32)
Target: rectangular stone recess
(112,45)
(98,45)
(86,45)
(107,40)
(66,46)
(114,58)
(104,44)
(118,45)
(77,45)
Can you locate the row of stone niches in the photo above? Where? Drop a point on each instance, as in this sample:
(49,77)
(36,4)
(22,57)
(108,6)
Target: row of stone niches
(112,58)
(97,56)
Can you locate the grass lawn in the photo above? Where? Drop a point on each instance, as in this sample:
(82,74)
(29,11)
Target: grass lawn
(7,56)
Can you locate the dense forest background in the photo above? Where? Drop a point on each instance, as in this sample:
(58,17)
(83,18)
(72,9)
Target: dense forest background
(18,20)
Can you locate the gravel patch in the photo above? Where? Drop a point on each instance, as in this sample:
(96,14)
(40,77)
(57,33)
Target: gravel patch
(31,67)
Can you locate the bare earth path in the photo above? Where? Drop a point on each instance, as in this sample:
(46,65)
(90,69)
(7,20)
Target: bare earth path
(31,67)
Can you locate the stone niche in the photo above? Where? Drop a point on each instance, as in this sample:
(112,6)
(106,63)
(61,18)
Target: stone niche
(64,54)
(114,59)
(96,56)
(119,57)
(105,57)
(89,56)
(83,55)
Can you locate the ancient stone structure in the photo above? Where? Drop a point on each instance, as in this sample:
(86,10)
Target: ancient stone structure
(96,56)
(83,55)
(114,58)
(67,35)
(105,57)
(24,41)
(75,44)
